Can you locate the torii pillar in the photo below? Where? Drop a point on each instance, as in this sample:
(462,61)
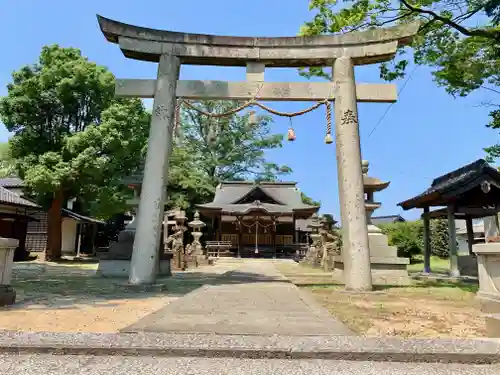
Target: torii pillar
(343,52)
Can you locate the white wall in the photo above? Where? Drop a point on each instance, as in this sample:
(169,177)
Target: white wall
(68,229)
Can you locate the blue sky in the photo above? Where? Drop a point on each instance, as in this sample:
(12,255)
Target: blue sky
(425,134)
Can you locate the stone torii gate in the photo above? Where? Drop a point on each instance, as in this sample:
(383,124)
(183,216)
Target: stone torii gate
(171,49)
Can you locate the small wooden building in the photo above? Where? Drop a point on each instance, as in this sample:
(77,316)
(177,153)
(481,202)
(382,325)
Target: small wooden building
(78,231)
(15,216)
(472,191)
(258,218)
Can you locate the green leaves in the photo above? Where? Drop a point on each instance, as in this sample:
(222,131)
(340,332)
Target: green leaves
(406,236)
(70,134)
(7,163)
(459,40)
(197,166)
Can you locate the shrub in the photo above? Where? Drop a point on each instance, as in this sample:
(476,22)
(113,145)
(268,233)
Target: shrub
(406,236)
(439,238)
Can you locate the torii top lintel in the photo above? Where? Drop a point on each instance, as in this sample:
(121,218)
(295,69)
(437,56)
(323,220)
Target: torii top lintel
(364,47)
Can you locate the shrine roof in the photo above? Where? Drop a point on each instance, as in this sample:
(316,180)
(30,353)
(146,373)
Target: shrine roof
(11,182)
(246,196)
(13,199)
(461,187)
(461,213)
(388,219)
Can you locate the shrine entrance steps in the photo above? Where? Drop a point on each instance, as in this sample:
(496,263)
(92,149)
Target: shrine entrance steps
(251,298)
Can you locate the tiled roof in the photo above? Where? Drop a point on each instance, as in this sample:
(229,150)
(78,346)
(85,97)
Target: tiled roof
(11,182)
(9,197)
(454,182)
(285,194)
(79,217)
(376,220)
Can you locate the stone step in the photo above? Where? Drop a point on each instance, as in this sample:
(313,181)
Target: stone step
(384,251)
(351,348)
(145,365)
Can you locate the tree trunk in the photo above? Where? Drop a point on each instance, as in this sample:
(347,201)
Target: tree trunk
(54,223)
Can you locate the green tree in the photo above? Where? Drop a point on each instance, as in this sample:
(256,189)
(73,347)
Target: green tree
(71,137)
(439,238)
(212,150)
(406,236)
(309,200)
(459,40)
(7,163)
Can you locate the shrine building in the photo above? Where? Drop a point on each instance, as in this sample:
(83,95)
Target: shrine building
(259,219)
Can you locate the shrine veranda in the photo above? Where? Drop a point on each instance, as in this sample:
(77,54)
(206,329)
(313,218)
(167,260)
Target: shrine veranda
(341,52)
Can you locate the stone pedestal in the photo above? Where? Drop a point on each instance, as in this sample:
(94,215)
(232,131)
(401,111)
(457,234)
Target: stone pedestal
(121,267)
(488,262)
(386,267)
(7,249)
(467,265)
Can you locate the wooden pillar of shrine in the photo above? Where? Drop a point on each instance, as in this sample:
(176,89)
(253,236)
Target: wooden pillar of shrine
(295,233)
(470,233)
(273,232)
(453,248)
(240,234)
(219,227)
(427,241)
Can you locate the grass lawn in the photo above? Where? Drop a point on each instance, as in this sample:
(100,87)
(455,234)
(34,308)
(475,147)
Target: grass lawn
(438,265)
(425,309)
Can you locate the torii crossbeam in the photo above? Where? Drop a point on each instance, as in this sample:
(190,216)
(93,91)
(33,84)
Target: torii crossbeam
(342,52)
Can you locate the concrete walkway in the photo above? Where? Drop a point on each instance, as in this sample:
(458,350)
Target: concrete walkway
(251,298)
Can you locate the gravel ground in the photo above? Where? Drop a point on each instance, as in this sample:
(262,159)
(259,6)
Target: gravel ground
(71,298)
(109,315)
(116,365)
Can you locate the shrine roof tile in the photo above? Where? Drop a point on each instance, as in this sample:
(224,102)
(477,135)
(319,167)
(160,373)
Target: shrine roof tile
(450,186)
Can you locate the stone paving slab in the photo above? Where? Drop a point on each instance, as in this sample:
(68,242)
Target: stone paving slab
(253,299)
(116,365)
(257,347)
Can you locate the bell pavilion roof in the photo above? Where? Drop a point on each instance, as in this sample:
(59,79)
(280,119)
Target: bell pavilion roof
(474,185)
(267,198)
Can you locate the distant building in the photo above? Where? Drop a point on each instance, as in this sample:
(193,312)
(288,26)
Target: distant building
(30,224)
(389,219)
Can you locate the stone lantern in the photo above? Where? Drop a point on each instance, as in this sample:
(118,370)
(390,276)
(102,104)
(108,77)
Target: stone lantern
(387,267)
(371,185)
(196,225)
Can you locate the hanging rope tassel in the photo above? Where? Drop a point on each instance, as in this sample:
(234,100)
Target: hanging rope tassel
(252,121)
(291,132)
(328,136)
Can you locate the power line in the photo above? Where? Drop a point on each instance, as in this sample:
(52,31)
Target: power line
(390,106)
